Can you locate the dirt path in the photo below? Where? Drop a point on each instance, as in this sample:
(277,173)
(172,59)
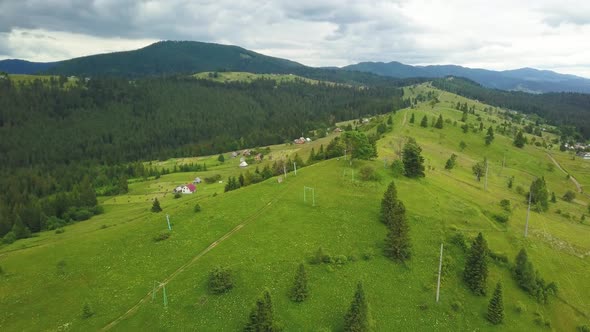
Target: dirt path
(404,121)
(576,183)
(214,244)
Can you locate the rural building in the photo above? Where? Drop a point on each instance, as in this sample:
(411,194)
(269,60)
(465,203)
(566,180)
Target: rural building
(584,155)
(337,130)
(246,153)
(258,157)
(234,154)
(197,180)
(300,140)
(185,189)
(243,164)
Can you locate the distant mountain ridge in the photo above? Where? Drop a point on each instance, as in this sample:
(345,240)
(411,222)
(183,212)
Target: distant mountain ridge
(189,57)
(523,79)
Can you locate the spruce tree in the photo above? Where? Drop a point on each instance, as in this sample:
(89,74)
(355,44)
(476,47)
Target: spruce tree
(475,274)
(221,158)
(388,203)
(156,206)
(312,157)
(87,193)
(220,280)
(19,229)
(496,306)
(397,242)
(439,122)
(261,318)
(524,272)
(412,119)
(412,159)
(539,194)
(357,318)
(519,140)
(424,122)
(300,291)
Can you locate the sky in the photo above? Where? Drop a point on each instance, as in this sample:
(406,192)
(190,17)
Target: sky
(543,34)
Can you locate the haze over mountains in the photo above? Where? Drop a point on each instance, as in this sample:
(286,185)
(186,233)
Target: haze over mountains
(172,57)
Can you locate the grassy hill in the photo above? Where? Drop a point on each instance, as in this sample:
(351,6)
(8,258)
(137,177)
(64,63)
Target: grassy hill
(226,77)
(263,231)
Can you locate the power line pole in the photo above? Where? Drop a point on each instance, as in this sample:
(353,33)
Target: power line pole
(168,220)
(439,273)
(295,167)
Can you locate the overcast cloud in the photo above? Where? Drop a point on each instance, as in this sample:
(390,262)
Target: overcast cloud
(497,34)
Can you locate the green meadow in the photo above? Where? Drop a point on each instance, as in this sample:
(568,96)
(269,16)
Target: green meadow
(263,231)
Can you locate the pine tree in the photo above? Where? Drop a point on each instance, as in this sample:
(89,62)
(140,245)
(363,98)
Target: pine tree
(312,156)
(412,118)
(489,135)
(424,122)
(300,291)
(221,158)
(156,206)
(476,266)
(261,318)
(450,164)
(519,140)
(220,280)
(539,194)
(241,180)
(357,318)
(412,159)
(19,229)
(87,193)
(524,272)
(397,242)
(553,199)
(464,116)
(481,126)
(496,306)
(439,122)
(388,203)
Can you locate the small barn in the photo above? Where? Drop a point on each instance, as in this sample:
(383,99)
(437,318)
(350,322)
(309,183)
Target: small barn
(243,164)
(197,180)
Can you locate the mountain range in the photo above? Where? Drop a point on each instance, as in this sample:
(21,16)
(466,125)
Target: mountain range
(183,57)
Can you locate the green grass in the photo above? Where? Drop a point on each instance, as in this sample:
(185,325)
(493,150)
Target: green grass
(112,261)
(28,79)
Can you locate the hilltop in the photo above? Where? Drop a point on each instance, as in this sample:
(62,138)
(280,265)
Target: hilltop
(523,79)
(263,231)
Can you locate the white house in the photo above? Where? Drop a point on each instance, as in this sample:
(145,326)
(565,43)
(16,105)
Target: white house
(243,164)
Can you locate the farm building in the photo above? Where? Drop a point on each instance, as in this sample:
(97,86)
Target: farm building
(197,180)
(337,130)
(584,155)
(300,140)
(234,154)
(185,189)
(243,164)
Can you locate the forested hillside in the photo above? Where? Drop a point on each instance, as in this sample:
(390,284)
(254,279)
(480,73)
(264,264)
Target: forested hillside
(53,135)
(569,111)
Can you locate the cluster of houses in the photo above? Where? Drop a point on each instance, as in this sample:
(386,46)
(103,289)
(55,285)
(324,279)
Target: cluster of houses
(188,188)
(301,140)
(246,153)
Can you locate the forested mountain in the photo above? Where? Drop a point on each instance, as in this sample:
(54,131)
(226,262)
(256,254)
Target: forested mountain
(570,111)
(524,79)
(187,57)
(14,66)
(53,135)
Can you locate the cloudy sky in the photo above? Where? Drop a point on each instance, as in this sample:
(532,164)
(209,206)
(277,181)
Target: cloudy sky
(495,34)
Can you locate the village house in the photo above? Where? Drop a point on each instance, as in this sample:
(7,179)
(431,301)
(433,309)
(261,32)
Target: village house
(185,189)
(584,155)
(337,130)
(300,140)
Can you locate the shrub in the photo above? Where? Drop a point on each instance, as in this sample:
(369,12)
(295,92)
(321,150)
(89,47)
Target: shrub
(367,173)
(569,196)
(82,214)
(161,237)
(86,311)
(423,306)
(583,328)
(177,195)
(212,179)
(505,204)
(54,222)
(320,257)
(59,231)
(501,218)
(97,210)
(459,240)
(368,254)
(519,190)
(457,306)
(197,208)
(397,168)
(520,307)
(9,238)
(499,258)
(340,260)
(220,280)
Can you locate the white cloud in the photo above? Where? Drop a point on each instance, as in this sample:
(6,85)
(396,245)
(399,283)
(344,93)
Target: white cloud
(503,34)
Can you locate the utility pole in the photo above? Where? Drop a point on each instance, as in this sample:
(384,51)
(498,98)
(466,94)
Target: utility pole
(295,167)
(285,170)
(439,273)
(168,220)
(528,212)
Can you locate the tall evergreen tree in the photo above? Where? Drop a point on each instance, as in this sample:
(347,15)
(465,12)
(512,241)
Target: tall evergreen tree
(156,206)
(19,229)
(388,203)
(496,306)
(412,159)
(519,140)
(489,136)
(87,193)
(475,274)
(524,272)
(358,318)
(312,157)
(439,122)
(539,194)
(412,118)
(300,291)
(424,122)
(464,116)
(261,318)
(397,242)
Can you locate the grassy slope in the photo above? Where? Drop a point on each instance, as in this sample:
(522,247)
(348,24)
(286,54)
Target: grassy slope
(113,268)
(249,77)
